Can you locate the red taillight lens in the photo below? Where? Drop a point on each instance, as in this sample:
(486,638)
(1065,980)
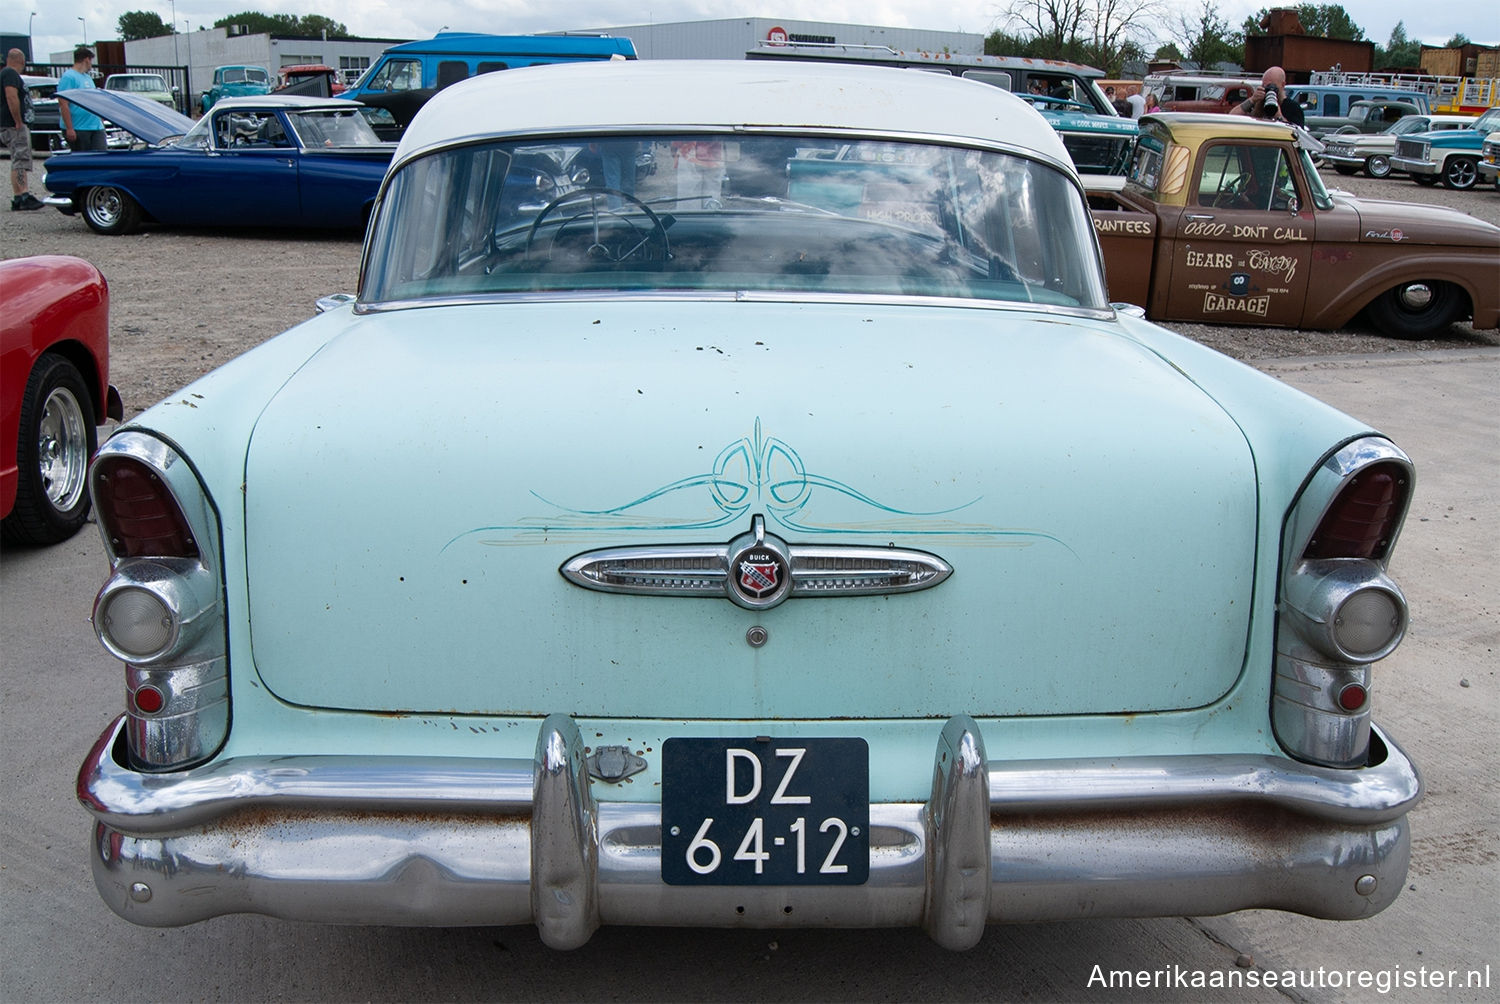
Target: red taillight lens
(1363,517)
(139,515)
(149,700)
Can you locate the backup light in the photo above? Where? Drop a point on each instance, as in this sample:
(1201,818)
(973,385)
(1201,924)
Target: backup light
(1367,622)
(1349,610)
(135,623)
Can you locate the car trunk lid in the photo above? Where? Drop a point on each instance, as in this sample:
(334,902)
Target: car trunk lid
(412,492)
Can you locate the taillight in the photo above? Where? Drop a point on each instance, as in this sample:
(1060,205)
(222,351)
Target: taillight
(1339,611)
(1362,520)
(161,611)
(137,514)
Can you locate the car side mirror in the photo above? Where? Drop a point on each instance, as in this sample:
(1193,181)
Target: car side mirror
(1293,205)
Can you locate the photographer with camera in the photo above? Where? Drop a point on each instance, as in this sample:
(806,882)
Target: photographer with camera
(1270,101)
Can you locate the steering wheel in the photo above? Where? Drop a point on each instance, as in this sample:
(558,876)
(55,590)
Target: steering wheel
(650,244)
(1232,192)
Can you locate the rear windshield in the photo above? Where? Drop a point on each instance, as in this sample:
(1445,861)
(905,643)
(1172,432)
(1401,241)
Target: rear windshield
(732,212)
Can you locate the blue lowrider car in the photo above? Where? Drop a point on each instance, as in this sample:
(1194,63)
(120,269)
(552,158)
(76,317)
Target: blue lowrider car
(805,541)
(272,161)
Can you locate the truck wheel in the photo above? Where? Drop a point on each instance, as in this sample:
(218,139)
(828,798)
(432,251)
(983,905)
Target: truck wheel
(1460,173)
(53,448)
(1418,309)
(1378,166)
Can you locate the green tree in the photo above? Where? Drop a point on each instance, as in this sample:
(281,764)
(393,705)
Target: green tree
(307,26)
(314,25)
(1458,41)
(1399,50)
(1096,32)
(1168,52)
(1325,20)
(1003,43)
(138,24)
(1208,38)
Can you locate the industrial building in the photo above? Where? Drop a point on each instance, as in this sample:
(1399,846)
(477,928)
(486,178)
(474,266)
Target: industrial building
(731,38)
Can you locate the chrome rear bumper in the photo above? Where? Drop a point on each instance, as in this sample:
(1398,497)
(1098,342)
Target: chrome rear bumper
(449,842)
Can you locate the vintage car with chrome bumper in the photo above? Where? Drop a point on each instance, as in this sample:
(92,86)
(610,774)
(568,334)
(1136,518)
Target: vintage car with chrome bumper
(282,160)
(805,542)
(1371,153)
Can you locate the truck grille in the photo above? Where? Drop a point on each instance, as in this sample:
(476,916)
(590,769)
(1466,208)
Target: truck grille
(1411,149)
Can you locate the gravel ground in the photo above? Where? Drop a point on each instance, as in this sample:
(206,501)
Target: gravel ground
(185,301)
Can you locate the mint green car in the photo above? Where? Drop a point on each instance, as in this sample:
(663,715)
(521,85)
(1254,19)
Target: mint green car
(788,535)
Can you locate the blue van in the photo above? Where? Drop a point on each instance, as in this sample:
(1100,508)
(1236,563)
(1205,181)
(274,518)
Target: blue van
(407,75)
(1329,101)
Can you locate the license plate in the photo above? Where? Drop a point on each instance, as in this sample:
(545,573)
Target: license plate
(765,812)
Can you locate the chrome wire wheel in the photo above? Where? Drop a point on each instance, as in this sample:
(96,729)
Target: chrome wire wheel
(62,449)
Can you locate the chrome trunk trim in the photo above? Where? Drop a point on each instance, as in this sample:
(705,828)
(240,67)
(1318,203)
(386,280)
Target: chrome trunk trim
(712,569)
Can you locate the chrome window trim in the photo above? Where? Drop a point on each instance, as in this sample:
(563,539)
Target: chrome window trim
(737,296)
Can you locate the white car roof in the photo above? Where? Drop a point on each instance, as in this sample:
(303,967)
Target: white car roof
(707,93)
(288,102)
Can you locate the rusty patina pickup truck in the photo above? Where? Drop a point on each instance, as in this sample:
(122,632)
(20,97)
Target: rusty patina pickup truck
(1224,220)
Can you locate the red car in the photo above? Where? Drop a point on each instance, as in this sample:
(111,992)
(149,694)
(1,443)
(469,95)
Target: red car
(310,78)
(54,389)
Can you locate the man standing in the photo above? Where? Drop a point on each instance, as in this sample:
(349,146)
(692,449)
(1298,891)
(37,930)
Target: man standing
(15,129)
(84,129)
(1270,101)
(1137,104)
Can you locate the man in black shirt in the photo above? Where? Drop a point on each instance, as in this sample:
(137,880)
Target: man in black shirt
(15,129)
(1270,101)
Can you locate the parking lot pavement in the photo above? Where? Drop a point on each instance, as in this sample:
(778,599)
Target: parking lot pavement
(1439,695)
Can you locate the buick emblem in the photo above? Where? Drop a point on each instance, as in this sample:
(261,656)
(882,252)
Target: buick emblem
(759,568)
(759,574)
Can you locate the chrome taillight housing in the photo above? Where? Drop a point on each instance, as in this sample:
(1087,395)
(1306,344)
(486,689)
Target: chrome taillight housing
(161,611)
(1339,612)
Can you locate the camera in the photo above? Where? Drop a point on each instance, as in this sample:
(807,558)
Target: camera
(1273,101)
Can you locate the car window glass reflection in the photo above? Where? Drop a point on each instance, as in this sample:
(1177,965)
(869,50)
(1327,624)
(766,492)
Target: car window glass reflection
(731,212)
(250,130)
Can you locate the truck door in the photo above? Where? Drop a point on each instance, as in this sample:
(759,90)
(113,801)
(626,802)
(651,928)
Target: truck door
(395,88)
(1243,246)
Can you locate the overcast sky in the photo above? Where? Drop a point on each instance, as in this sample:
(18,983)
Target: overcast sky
(57,25)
